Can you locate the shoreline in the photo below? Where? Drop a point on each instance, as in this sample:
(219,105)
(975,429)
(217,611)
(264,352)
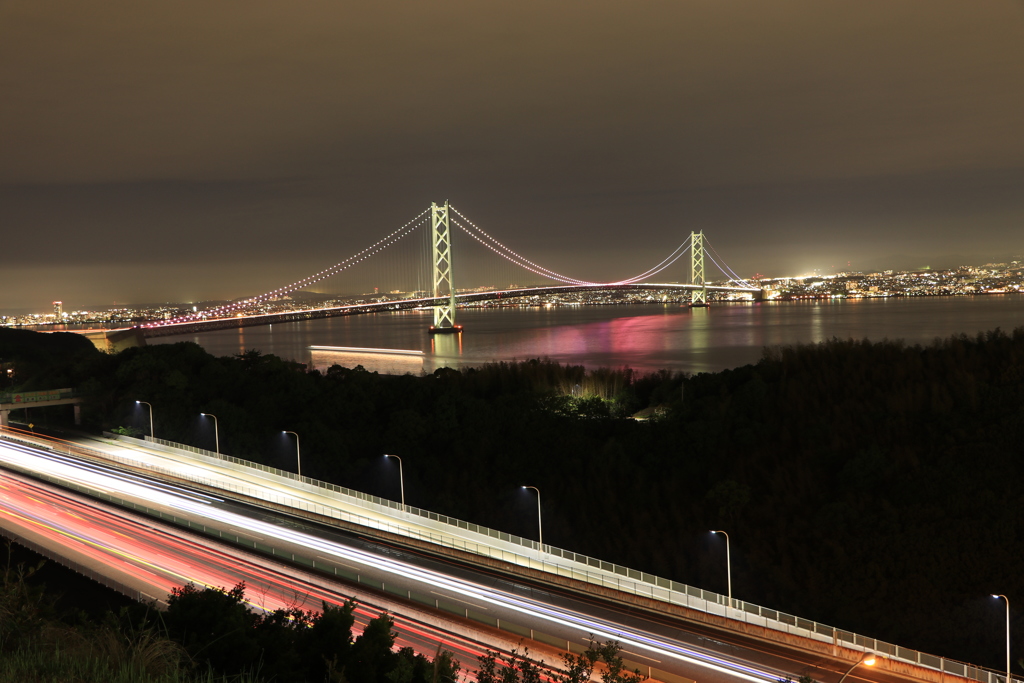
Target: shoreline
(72,327)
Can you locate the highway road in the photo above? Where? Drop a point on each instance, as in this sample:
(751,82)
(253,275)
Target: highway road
(657,641)
(153,558)
(261,485)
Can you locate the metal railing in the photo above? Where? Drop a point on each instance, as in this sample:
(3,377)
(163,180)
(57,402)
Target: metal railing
(357,498)
(606,574)
(342,570)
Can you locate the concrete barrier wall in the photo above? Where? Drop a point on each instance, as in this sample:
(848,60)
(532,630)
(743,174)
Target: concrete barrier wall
(81,569)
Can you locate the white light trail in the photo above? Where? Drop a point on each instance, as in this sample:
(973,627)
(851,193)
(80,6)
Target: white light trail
(358,349)
(533,609)
(199,505)
(100,478)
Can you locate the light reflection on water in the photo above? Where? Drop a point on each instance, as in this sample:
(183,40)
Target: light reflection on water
(643,337)
(384,363)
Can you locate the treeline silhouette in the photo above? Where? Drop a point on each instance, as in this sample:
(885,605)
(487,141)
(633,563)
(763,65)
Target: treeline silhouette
(212,635)
(207,635)
(872,486)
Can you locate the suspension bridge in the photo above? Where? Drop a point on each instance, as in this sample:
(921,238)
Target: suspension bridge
(436,225)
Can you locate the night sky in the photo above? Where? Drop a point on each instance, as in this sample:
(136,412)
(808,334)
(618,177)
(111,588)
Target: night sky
(178,151)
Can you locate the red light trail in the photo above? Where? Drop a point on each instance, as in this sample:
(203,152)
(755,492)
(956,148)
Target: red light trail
(162,560)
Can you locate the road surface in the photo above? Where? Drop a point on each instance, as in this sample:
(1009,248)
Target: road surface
(664,644)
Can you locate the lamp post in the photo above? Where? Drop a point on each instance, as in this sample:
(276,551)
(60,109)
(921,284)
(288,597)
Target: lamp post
(298,453)
(216,430)
(866,660)
(1007,633)
(151,434)
(401,478)
(728,564)
(540,526)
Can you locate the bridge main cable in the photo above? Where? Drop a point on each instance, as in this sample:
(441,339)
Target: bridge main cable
(473,231)
(221,311)
(523,262)
(735,278)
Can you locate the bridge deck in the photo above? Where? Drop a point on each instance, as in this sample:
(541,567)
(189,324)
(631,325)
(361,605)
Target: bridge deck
(192,327)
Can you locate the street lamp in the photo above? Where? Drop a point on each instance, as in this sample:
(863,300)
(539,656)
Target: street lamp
(728,563)
(1007,633)
(151,434)
(866,660)
(540,527)
(216,430)
(401,477)
(298,453)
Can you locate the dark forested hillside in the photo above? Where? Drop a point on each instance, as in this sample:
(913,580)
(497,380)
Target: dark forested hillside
(871,486)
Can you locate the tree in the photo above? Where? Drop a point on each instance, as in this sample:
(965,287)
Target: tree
(214,625)
(578,668)
(279,637)
(24,607)
(515,667)
(328,641)
(614,670)
(371,658)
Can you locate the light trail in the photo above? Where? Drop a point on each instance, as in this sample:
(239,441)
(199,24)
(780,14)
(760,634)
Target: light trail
(357,349)
(130,547)
(103,478)
(206,508)
(529,608)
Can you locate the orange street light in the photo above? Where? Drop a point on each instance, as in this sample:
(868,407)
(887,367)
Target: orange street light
(867,660)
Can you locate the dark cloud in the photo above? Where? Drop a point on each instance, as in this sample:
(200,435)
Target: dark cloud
(179,135)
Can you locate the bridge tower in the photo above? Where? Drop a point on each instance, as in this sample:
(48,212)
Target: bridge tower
(698,297)
(444,314)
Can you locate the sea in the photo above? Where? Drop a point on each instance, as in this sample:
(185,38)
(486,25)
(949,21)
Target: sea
(644,337)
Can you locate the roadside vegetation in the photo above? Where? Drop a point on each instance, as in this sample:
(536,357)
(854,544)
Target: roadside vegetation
(213,636)
(205,635)
(872,486)
(41,644)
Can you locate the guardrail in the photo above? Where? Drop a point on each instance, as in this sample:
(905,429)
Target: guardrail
(356,498)
(341,570)
(626,580)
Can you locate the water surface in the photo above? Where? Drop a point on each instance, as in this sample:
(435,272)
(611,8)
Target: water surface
(643,337)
